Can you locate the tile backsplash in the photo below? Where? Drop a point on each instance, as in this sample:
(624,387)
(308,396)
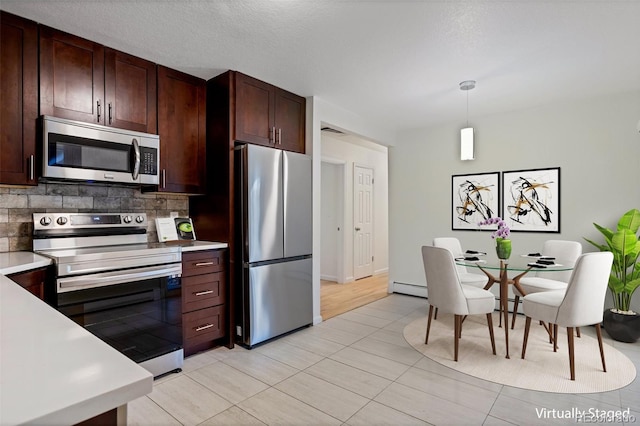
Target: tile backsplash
(18,204)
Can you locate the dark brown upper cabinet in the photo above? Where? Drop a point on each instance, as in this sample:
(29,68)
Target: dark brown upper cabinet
(83,80)
(182,129)
(130,92)
(18,99)
(267,115)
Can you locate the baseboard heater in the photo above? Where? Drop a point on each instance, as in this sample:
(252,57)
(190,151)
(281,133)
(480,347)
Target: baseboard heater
(410,289)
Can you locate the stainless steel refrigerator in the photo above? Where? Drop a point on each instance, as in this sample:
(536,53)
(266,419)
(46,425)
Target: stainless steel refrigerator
(274,217)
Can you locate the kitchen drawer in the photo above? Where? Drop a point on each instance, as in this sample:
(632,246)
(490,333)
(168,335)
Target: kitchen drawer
(202,262)
(202,291)
(203,325)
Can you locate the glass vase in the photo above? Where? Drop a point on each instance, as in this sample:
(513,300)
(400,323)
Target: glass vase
(503,248)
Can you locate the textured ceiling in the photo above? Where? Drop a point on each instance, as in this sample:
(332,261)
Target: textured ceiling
(396,62)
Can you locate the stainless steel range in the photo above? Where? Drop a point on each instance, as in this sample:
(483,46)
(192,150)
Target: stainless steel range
(116,285)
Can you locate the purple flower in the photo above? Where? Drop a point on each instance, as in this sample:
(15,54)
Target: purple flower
(503,229)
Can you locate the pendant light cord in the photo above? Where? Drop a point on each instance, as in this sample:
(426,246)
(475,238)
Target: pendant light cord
(467,108)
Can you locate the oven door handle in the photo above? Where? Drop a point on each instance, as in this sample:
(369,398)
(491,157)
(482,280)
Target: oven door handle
(117,277)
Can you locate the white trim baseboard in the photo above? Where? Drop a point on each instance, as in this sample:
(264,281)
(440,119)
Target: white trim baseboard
(409,289)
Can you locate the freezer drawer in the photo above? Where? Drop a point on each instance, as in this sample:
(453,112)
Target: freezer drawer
(280,300)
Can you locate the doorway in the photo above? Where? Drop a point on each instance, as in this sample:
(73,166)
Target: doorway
(348,274)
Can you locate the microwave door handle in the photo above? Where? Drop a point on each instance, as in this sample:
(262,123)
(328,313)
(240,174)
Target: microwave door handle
(136,165)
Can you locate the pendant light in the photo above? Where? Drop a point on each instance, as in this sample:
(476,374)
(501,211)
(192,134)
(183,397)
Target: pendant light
(466,134)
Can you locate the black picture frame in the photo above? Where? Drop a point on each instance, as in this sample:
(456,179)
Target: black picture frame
(474,198)
(531,200)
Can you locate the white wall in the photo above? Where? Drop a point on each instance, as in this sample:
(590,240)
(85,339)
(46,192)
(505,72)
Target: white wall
(332,211)
(374,157)
(594,142)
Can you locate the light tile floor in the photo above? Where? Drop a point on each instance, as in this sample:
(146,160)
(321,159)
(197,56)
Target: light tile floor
(355,369)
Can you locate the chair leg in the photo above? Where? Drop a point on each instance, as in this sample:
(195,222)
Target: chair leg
(435,317)
(599,332)
(527,324)
(493,340)
(456,336)
(572,366)
(555,337)
(578,332)
(426,339)
(515,311)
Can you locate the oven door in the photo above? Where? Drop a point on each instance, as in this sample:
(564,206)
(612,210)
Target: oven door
(139,316)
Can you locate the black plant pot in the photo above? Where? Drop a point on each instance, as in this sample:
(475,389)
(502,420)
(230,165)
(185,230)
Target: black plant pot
(623,328)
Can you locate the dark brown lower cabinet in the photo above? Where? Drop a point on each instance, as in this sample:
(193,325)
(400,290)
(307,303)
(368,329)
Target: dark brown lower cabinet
(204,282)
(33,280)
(108,418)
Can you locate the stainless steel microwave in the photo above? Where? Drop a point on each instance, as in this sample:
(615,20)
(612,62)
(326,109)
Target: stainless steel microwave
(75,150)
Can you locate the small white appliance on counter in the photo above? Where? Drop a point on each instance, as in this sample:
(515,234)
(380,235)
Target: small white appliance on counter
(175,229)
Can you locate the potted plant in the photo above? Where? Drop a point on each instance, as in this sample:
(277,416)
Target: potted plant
(621,323)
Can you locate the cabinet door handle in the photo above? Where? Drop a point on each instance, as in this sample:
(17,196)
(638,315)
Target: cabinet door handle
(109,112)
(204,264)
(279,136)
(202,293)
(273,135)
(164,178)
(203,327)
(32,167)
(98,109)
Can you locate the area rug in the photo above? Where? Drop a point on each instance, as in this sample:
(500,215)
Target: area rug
(542,369)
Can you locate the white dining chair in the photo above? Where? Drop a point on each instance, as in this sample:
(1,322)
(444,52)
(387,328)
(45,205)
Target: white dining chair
(453,245)
(469,278)
(565,253)
(448,294)
(581,304)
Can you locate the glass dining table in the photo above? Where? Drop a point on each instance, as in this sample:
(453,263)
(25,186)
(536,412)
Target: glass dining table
(518,266)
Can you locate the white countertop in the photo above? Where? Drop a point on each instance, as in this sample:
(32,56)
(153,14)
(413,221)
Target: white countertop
(200,245)
(20,261)
(54,371)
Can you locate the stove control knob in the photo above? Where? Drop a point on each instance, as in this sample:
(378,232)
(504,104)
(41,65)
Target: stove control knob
(61,220)
(127,219)
(139,219)
(45,221)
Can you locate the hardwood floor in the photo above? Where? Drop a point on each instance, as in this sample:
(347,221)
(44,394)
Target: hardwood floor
(336,299)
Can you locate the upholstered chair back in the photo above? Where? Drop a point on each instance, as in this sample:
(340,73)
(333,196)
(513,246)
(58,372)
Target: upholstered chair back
(443,285)
(453,245)
(566,253)
(583,303)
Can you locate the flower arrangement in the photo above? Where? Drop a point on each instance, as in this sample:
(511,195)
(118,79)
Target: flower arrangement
(503,229)
(503,244)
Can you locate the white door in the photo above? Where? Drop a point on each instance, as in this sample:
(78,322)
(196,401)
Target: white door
(362,222)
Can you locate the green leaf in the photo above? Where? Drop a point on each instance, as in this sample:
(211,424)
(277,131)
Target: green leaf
(624,242)
(608,233)
(630,220)
(631,286)
(615,284)
(601,247)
